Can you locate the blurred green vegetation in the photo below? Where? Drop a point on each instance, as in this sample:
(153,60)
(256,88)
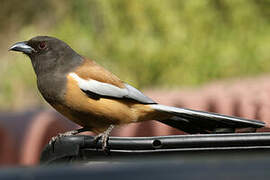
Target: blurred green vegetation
(153,43)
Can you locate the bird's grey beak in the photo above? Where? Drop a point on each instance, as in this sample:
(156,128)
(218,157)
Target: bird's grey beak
(22,47)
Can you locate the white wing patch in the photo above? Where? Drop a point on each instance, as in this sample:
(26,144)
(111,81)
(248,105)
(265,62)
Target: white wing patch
(100,88)
(105,89)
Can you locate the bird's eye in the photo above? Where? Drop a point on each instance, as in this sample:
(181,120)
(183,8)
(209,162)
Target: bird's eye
(42,45)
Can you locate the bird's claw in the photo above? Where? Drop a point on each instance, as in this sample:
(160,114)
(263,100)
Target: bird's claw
(53,140)
(104,139)
(57,137)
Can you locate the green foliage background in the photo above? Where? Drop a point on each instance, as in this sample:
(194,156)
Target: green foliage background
(148,43)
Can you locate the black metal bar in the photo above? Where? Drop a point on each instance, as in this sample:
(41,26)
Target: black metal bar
(80,146)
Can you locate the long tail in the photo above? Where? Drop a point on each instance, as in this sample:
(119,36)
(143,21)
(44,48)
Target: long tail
(192,121)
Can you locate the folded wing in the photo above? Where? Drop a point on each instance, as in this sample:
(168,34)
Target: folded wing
(100,89)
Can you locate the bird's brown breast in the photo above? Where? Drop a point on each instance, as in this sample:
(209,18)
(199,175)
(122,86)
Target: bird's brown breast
(98,114)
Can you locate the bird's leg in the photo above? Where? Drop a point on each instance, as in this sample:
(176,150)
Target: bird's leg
(68,133)
(104,137)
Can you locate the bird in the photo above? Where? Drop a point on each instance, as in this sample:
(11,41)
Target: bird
(96,99)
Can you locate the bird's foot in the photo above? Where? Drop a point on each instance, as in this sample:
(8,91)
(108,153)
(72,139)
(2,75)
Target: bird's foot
(104,139)
(69,133)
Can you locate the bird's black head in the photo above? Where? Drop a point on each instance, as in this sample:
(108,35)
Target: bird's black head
(48,54)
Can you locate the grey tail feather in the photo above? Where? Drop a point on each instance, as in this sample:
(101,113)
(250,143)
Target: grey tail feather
(192,121)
